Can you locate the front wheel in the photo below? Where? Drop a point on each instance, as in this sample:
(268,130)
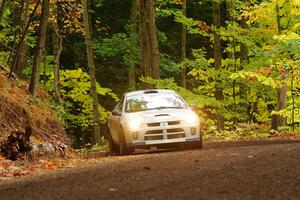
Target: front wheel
(113,147)
(198,144)
(123,148)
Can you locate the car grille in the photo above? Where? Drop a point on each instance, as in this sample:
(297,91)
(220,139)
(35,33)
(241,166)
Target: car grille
(155,132)
(153,124)
(170,133)
(181,135)
(154,137)
(170,123)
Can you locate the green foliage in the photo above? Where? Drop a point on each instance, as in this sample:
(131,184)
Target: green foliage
(256,78)
(47,67)
(119,44)
(87,148)
(191,24)
(75,91)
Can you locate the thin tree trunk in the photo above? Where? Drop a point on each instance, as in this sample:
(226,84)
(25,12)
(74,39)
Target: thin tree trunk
(57,45)
(149,43)
(57,50)
(244,59)
(153,40)
(22,39)
(133,21)
(218,59)
(183,46)
(278,19)
(293,97)
(91,64)
(144,42)
(16,17)
(35,77)
(20,58)
(2,9)
(279,120)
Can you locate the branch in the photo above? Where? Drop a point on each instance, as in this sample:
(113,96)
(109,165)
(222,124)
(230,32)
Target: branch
(11,49)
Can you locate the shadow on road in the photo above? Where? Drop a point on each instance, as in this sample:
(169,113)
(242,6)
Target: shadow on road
(215,145)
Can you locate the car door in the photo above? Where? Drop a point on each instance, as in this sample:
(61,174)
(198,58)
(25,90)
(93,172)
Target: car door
(115,121)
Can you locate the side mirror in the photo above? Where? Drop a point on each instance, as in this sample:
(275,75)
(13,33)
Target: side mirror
(116,113)
(194,107)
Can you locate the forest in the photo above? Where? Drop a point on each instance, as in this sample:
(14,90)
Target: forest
(237,60)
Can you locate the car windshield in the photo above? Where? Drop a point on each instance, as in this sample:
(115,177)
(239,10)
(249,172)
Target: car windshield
(154,101)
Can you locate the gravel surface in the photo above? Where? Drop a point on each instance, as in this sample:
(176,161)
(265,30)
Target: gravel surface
(240,172)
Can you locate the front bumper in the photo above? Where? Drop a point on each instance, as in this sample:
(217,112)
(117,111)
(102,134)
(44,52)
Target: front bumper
(164,144)
(163,136)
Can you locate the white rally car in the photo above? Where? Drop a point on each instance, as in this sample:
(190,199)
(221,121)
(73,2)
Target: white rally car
(152,118)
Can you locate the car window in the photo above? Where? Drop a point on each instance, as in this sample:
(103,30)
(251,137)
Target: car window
(152,101)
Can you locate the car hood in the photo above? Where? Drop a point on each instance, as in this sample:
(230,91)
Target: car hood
(159,115)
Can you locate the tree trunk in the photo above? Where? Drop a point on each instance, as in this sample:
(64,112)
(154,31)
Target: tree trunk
(23,48)
(16,11)
(2,9)
(133,21)
(39,49)
(218,59)
(278,120)
(145,46)
(153,40)
(57,45)
(90,58)
(244,59)
(57,50)
(183,46)
(278,19)
(22,38)
(149,43)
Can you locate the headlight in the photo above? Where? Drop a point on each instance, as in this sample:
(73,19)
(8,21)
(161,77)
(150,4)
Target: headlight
(192,119)
(134,124)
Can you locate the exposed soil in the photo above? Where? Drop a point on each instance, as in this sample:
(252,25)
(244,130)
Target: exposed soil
(227,172)
(28,126)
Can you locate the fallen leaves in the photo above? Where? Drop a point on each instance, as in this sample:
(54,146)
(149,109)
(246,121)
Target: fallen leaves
(10,169)
(20,168)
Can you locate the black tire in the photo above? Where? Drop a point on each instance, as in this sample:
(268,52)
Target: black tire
(198,144)
(123,148)
(113,147)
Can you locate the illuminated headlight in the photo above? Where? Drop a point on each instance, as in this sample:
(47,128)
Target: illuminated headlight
(192,119)
(134,124)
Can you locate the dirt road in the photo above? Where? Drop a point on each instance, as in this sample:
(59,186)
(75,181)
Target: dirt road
(240,172)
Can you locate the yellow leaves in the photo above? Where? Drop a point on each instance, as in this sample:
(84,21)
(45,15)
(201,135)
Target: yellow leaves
(285,37)
(268,47)
(178,2)
(258,76)
(295,3)
(263,13)
(203,26)
(211,61)
(296,27)
(279,2)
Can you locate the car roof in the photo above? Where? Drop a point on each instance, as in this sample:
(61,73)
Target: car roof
(149,92)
